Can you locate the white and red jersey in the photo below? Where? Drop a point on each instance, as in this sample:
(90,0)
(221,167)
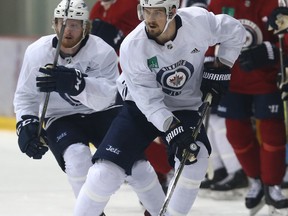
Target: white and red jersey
(166,78)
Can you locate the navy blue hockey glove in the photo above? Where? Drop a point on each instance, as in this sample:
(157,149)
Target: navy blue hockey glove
(61,79)
(215,80)
(180,137)
(28,141)
(278,20)
(109,33)
(259,56)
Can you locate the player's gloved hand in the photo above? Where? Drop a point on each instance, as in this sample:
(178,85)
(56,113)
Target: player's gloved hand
(28,141)
(181,137)
(278,20)
(61,79)
(109,33)
(258,56)
(216,77)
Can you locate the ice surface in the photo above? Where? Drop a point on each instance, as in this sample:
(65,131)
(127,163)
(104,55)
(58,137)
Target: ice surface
(39,188)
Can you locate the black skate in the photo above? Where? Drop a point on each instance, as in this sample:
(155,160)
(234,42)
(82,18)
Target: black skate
(231,187)
(277,203)
(254,200)
(219,175)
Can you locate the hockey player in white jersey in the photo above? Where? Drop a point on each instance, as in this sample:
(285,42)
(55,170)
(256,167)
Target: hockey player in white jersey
(162,62)
(82,101)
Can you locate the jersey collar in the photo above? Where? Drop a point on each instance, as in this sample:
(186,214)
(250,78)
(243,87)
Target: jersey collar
(82,44)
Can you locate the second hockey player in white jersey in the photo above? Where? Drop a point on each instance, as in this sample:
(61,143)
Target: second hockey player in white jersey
(82,101)
(162,79)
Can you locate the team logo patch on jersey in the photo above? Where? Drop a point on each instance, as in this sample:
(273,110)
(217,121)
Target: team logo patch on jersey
(177,79)
(152,62)
(254,34)
(229,11)
(174,77)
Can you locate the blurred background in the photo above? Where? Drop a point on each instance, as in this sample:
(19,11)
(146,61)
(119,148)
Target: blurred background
(21,23)
(28,17)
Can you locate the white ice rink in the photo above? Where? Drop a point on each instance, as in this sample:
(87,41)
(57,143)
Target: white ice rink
(39,188)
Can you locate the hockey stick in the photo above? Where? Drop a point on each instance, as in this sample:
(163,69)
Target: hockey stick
(202,113)
(45,105)
(210,171)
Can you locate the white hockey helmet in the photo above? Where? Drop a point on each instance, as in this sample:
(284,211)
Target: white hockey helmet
(78,10)
(167,4)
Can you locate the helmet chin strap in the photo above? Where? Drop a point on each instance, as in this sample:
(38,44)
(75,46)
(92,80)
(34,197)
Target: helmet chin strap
(83,36)
(167,23)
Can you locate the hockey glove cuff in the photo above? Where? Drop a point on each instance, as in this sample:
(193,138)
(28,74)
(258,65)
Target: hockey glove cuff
(180,137)
(216,81)
(28,140)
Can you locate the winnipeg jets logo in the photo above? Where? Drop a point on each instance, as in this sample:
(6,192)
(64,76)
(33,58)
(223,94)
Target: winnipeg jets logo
(254,34)
(174,77)
(177,79)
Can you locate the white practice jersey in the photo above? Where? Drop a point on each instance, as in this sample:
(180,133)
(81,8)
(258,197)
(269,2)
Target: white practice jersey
(166,78)
(96,59)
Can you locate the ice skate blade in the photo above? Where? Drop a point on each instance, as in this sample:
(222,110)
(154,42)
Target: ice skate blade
(234,194)
(272,211)
(257,208)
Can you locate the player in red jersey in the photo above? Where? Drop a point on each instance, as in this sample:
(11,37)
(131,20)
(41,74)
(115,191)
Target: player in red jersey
(254,95)
(112,20)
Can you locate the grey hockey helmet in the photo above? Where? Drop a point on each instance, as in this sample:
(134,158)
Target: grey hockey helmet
(167,4)
(78,10)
